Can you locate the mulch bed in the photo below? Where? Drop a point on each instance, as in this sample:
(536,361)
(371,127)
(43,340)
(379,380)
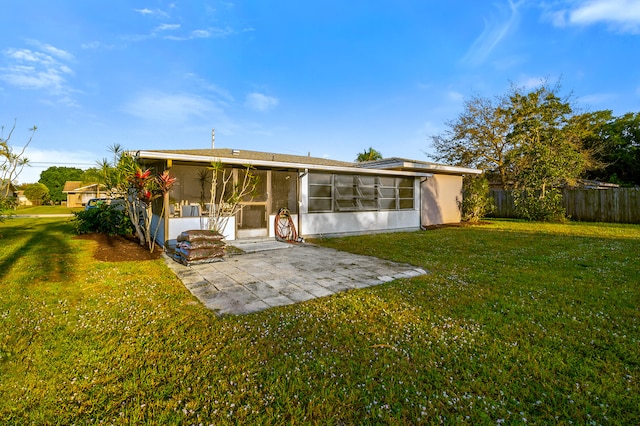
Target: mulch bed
(118,248)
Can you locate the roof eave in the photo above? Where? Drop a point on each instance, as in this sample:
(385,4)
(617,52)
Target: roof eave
(432,168)
(155,155)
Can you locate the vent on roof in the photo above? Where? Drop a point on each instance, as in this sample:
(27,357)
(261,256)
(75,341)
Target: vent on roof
(235,152)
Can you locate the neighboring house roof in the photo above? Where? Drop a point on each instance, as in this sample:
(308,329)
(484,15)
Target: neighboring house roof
(395,163)
(256,158)
(71,185)
(594,184)
(4,183)
(77,186)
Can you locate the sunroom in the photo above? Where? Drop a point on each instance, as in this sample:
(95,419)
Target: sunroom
(324,197)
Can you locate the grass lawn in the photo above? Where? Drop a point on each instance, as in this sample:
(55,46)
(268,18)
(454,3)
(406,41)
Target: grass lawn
(518,322)
(47,210)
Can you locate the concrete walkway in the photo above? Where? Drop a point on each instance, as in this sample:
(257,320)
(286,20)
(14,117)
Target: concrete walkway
(272,273)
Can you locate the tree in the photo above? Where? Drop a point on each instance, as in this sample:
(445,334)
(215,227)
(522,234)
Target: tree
(531,139)
(37,193)
(478,138)
(617,149)
(11,165)
(54,178)
(544,157)
(369,155)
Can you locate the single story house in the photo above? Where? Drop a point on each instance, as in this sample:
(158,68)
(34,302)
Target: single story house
(7,189)
(23,200)
(79,193)
(324,197)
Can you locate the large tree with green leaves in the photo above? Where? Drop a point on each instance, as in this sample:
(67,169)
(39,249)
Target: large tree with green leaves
(616,146)
(545,154)
(55,177)
(532,140)
(478,138)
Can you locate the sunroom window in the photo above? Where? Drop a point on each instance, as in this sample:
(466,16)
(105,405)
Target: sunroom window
(334,192)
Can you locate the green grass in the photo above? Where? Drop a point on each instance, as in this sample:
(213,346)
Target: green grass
(516,323)
(47,210)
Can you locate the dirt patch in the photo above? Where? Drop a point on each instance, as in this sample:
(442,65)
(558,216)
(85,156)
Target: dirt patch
(118,248)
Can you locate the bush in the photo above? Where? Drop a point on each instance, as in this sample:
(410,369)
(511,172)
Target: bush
(476,202)
(538,206)
(37,193)
(104,219)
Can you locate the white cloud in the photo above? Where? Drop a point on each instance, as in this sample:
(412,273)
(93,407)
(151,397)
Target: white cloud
(261,102)
(530,83)
(32,69)
(174,108)
(56,52)
(96,45)
(455,96)
(151,12)
(495,30)
(621,15)
(223,97)
(211,32)
(201,34)
(597,100)
(167,27)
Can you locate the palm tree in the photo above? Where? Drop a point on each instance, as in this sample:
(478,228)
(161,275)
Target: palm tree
(369,155)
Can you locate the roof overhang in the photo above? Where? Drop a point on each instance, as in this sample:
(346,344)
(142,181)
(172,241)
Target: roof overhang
(155,155)
(86,188)
(399,164)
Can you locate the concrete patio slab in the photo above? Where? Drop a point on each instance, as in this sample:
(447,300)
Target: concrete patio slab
(271,273)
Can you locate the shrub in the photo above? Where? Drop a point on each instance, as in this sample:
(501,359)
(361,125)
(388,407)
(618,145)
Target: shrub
(476,202)
(104,219)
(540,206)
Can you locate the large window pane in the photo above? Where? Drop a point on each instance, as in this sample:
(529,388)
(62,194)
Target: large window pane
(347,205)
(320,178)
(344,180)
(387,203)
(406,204)
(388,193)
(406,192)
(319,205)
(320,191)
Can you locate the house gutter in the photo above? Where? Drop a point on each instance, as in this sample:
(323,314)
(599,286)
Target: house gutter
(148,155)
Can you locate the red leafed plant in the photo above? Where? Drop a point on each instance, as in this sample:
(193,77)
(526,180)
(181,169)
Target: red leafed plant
(144,186)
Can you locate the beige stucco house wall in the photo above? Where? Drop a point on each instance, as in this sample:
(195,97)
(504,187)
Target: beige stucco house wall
(78,194)
(440,197)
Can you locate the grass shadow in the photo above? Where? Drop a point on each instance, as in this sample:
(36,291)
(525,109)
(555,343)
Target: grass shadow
(40,247)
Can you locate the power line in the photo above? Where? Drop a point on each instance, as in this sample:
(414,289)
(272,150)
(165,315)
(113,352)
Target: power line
(63,164)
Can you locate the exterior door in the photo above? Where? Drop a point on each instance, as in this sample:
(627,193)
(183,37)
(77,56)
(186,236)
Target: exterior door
(252,219)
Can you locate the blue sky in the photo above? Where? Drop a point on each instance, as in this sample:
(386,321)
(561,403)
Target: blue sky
(330,78)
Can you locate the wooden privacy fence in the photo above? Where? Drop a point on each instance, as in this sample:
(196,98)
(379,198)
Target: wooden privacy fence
(618,205)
